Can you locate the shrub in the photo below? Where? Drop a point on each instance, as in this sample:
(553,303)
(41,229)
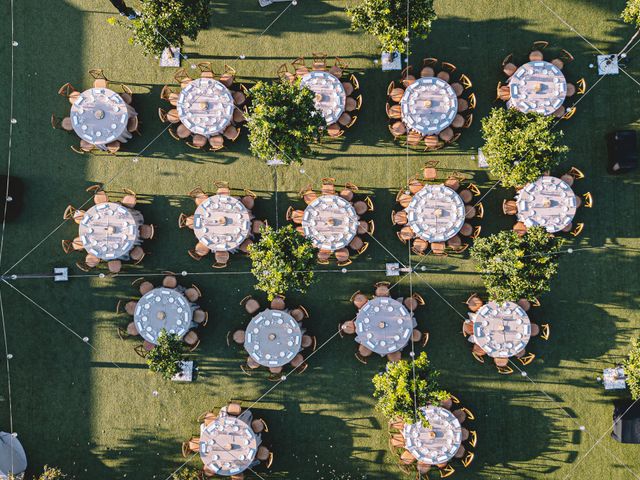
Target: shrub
(281,261)
(395,388)
(166,355)
(515,267)
(387,20)
(50,473)
(632,369)
(283,121)
(520,147)
(631,13)
(164,23)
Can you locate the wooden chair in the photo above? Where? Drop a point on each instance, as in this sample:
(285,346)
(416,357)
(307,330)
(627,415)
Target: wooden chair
(588,200)
(251,305)
(509,207)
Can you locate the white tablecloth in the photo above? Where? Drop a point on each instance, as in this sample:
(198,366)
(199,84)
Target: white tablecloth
(222,223)
(162,308)
(384,325)
(437,444)
(436,213)
(228,445)
(205,106)
(501,330)
(539,87)
(548,202)
(273,338)
(429,105)
(330,94)
(330,222)
(100,116)
(110,230)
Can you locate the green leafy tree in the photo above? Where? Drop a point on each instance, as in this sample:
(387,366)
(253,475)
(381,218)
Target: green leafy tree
(166,355)
(631,13)
(282,260)
(519,147)
(50,473)
(395,388)
(387,20)
(632,369)
(283,121)
(164,23)
(515,267)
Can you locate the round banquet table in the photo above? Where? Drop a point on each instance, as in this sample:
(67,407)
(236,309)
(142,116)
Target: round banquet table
(330,95)
(501,330)
(437,444)
(548,202)
(222,223)
(100,116)
(436,213)
(330,222)
(162,309)
(429,105)
(109,230)
(228,445)
(273,338)
(537,87)
(205,106)
(384,325)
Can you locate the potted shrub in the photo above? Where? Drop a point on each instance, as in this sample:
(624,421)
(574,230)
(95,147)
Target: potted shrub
(514,267)
(387,21)
(165,23)
(520,147)
(282,260)
(394,389)
(283,122)
(166,356)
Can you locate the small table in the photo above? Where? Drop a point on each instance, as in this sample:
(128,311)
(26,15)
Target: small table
(228,445)
(273,338)
(614,378)
(330,222)
(437,444)
(537,87)
(100,116)
(436,213)
(205,106)
(222,223)
(110,230)
(162,309)
(548,202)
(429,105)
(501,330)
(384,325)
(330,94)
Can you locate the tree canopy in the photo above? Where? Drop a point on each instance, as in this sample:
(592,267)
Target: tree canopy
(164,23)
(632,369)
(166,355)
(514,267)
(282,261)
(394,389)
(631,13)
(519,147)
(283,121)
(387,20)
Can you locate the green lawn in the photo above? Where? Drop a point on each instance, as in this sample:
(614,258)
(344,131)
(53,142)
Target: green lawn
(74,408)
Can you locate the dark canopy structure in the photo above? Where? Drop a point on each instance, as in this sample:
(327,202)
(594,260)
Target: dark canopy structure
(623,151)
(626,421)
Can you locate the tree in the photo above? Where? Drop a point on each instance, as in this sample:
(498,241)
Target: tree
(515,267)
(631,13)
(519,147)
(395,388)
(187,473)
(164,23)
(632,369)
(281,261)
(166,356)
(387,21)
(283,121)
(50,473)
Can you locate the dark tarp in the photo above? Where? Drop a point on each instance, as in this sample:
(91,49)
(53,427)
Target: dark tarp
(626,421)
(623,151)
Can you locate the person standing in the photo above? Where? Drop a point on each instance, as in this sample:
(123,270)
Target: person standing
(123,9)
